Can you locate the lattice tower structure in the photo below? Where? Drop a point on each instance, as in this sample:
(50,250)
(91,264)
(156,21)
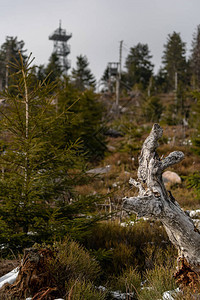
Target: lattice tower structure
(60,38)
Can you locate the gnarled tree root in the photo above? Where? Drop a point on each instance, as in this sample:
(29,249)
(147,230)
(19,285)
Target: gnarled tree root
(186,277)
(34,278)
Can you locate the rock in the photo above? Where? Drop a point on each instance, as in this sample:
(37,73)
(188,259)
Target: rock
(113,133)
(194,213)
(171,177)
(197,223)
(171,295)
(2,101)
(102,170)
(111,148)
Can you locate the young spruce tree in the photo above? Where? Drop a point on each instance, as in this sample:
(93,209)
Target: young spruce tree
(39,169)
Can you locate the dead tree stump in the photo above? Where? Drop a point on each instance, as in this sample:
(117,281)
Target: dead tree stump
(34,279)
(155,202)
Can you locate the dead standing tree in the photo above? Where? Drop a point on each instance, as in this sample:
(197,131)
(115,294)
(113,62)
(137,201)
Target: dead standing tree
(154,201)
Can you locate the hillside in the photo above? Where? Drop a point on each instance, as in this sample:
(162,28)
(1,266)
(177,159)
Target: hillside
(132,253)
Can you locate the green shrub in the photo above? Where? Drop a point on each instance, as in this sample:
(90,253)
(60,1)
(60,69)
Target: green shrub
(129,280)
(73,261)
(158,280)
(82,290)
(193,181)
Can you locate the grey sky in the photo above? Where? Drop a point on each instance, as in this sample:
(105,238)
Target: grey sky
(97,26)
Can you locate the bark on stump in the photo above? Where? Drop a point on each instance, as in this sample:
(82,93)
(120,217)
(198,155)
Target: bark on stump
(34,278)
(155,201)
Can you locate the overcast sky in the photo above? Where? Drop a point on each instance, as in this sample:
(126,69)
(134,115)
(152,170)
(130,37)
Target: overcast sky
(97,26)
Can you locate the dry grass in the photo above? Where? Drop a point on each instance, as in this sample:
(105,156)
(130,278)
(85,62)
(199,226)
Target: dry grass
(118,158)
(138,246)
(7,265)
(186,197)
(113,184)
(85,189)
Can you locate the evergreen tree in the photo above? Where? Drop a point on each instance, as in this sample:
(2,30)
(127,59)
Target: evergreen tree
(174,60)
(9,52)
(105,76)
(41,73)
(88,124)
(53,69)
(139,66)
(152,109)
(38,74)
(195,121)
(193,180)
(40,167)
(195,58)
(161,80)
(82,75)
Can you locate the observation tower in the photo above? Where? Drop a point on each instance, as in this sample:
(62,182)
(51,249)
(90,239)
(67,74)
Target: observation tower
(60,46)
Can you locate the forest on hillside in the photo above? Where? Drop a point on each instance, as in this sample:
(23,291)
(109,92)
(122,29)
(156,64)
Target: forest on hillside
(67,153)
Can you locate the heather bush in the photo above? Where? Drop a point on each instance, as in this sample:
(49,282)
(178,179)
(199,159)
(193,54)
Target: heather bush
(73,261)
(128,281)
(158,280)
(82,290)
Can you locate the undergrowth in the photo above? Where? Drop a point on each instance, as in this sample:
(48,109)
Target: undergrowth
(83,290)
(74,270)
(157,281)
(118,248)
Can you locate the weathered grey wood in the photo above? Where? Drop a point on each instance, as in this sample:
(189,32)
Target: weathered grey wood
(154,201)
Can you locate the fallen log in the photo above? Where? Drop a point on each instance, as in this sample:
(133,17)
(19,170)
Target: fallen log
(155,201)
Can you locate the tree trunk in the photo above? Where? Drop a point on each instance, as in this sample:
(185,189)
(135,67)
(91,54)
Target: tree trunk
(156,202)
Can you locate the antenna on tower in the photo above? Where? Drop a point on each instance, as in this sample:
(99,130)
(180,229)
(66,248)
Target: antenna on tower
(61,47)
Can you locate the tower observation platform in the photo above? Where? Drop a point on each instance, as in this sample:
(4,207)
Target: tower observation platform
(61,47)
